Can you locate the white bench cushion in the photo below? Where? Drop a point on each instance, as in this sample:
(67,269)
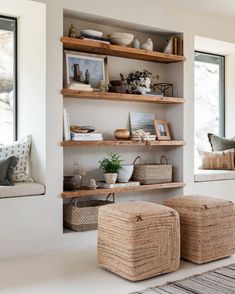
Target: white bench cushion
(204,175)
(21,189)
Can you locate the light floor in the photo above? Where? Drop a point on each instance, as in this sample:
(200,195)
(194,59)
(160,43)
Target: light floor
(75,271)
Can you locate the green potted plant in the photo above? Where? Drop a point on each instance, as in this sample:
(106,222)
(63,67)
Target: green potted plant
(111,165)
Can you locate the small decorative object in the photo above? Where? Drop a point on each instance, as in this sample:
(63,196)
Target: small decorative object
(136,44)
(82,129)
(140,135)
(165,88)
(102,86)
(92,184)
(138,82)
(148,45)
(87,77)
(96,65)
(77,175)
(70,183)
(121,39)
(121,134)
(143,121)
(125,173)
(91,33)
(72,32)
(168,48)
(111,166)
(152,173)
(162,130)
(76,72)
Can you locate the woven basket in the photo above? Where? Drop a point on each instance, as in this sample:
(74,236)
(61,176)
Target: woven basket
(152,173)
(83,216)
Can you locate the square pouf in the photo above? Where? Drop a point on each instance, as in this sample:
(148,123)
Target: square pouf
(207,227)
(138,240)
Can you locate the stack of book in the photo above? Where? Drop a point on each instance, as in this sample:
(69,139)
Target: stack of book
(174,45)
(93,38)
(87,136)
(146,137)
(80,87)
(117,185)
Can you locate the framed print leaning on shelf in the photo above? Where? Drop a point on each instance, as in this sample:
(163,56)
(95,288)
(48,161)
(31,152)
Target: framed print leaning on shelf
(85,68)
(162,130)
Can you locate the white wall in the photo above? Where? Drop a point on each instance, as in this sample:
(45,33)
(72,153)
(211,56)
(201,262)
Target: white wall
(34,224)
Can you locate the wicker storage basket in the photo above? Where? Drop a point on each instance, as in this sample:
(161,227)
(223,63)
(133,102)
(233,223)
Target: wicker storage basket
(83,216)
(152,173)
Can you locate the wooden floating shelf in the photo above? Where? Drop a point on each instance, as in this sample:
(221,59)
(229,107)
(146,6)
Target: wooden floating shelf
(83,192)
(121,97)
(119,51)
(120,143)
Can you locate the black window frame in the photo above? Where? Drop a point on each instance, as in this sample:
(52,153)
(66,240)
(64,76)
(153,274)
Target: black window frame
(15,77)
(210,58)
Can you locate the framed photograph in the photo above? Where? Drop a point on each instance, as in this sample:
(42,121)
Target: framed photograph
(85,69)
(162,130)
(142,121)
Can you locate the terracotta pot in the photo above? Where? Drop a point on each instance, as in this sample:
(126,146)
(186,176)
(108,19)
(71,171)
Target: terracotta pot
(110,178)
(122,134)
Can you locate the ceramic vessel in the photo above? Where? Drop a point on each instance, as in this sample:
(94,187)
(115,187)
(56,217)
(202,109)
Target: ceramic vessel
(122,134)
(136,44)
(122,39)
(125,173)
(92,184)
(148,45)
(110,178)
(92,33)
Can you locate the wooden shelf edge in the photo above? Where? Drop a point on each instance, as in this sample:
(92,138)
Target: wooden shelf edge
(121,97)
(100,191)
(119,51)
(120,143)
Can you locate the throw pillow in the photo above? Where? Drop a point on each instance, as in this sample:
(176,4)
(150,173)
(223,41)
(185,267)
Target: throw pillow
(219,143)
(221,160)
(6,170)
(19,149)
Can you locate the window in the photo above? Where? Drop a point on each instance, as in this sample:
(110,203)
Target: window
(8,88)
(209,99)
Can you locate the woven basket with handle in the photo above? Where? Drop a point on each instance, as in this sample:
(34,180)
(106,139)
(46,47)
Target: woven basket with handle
(83,215)
(152,173)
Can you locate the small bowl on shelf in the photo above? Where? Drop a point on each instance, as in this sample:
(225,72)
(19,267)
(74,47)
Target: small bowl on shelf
(121,39)
(92,33)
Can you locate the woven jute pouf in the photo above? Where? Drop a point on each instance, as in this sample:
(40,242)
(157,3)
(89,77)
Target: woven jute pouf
(207,227)
(138,240)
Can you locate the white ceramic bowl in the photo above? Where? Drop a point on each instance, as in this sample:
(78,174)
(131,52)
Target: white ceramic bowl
(122,39)
(91,33)
(125,173)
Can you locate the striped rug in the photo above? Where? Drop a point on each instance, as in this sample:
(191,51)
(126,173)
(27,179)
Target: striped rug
(218,281)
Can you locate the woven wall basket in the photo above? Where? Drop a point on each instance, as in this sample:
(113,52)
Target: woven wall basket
(152,173)
(83,216)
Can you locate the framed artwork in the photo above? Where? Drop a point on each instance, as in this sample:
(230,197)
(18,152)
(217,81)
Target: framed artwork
(142,121)
(85,68)
(162,130)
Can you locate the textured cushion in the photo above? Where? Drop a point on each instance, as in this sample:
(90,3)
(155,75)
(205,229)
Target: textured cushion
(21,150)
(207,227)
(21,189)
(138,240)
(204,175)
(223,160)
(219,143)
(7,166)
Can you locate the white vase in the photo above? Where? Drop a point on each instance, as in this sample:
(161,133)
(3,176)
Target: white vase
(148,45)
(125,173)
(110,178)
(136,44)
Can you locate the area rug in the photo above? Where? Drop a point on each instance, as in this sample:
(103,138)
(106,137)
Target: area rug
(218,281)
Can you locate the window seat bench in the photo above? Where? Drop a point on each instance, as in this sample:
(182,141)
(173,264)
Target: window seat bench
(22,189)
(204,175)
